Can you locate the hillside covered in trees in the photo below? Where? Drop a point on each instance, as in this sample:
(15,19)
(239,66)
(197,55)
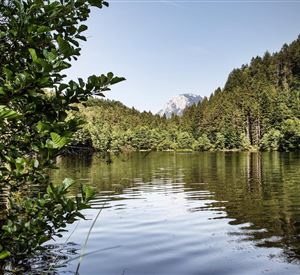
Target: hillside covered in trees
(110,125)
(258,108)
(259,104)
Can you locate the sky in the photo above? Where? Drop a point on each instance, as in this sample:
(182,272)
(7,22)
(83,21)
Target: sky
(165,48)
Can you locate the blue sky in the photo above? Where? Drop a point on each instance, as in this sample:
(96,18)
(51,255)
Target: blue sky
(165,48)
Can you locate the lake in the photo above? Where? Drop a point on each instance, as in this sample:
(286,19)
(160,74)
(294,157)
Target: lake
(186,213)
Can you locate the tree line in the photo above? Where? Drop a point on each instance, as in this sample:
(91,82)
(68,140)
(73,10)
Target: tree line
(259,104)
(258,109)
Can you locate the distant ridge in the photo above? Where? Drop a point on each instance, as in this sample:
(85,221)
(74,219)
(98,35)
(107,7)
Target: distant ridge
(178,103)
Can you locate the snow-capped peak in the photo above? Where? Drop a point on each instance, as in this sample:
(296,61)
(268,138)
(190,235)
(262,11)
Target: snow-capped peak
(178,103)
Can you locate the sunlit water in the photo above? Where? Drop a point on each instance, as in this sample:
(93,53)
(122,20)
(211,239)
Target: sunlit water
(187,213)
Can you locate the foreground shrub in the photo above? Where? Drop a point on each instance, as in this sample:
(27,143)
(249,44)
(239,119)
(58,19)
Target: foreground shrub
(38,41)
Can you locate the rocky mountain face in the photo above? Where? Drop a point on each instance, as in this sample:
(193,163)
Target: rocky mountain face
(178,103)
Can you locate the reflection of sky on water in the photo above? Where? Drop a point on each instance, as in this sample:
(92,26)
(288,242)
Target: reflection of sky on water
(221,213)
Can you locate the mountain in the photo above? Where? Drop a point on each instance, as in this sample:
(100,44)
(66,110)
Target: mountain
(178,103)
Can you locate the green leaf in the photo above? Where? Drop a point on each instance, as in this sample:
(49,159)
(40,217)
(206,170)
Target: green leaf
(58,141)
(88,192)
(110,75)
(7,113)
(42,127)
(63,86)
(67,183)
(103,79)
(81,82)
(81,37)
(64,46)
(82,28)
(116,80)
(8,73)
(4,254)
(42,29)
(50,189)
(33,54)
(51,56)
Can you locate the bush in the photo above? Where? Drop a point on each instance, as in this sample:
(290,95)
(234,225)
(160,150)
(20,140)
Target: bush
(141,139)
(38,41)
(184,140)
(271,140)
(166,144)
(232,140)
(244,142)
(290,130)
(219,142)
(202,144)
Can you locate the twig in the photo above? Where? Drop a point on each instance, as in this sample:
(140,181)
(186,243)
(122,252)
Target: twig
(65,242)
(87,238)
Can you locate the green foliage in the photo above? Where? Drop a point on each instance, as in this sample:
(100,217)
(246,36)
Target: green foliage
(43,217)
(38,41)
(287,138)
(258,100)
(232,139)
(112,126)
(166,144)
(202,144)
(290,140)
(271,140)
(184,140)
(219,141)
(244,142)
(255,109)
(141,139)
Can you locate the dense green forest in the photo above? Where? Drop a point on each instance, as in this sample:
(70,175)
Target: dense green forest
(258,108)
(110,125)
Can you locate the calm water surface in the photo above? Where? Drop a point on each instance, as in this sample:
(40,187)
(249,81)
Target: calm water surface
(188,213)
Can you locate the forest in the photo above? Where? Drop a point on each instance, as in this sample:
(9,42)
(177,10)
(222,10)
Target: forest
(257,109)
